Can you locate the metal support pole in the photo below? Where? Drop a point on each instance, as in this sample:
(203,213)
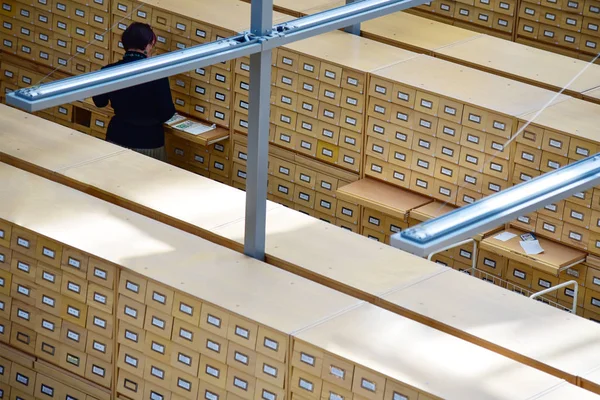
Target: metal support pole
(258,134)
(560,286)
(353,29)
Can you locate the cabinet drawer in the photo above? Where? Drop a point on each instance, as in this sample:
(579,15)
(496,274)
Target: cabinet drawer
(101,273)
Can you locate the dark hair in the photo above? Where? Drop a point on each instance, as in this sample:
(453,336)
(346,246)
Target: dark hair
(137,36)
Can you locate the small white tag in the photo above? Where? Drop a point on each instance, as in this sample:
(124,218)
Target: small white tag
(496,167)
(131,361)
(576,215)
(216,347)
(131,312)
(159,373)
(548,227)
(575,236)
(475,118)
(73,311)
(447,151)
(422,183)
(157,347)
(376,168)
(424,123)
(368,385)
(519,274)
(470,179)
(23,314)
(184,308)
(99,347)
(472,159)
(214,321)
(99,322)
(426,103)
(423,164)
(212,371)
(555,143)
(100,273)
(402,116)
(74,336)
(131,336)
(73,287)
(48,301)
(23,242)
(449,131)
(182,358)
(401,136)
(450,110)
(23,267)
(473,139)
(306,385)
(159,323)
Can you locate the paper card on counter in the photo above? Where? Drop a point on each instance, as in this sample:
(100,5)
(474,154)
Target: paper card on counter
(194,128)
(504,236)
(175,119)
(532,247)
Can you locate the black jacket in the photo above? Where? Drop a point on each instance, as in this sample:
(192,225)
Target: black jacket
(140,111)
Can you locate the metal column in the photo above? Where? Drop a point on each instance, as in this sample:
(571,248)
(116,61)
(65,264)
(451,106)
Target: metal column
(353,29)
(258,134)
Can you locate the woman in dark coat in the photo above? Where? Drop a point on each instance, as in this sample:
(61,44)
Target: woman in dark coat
(140,111)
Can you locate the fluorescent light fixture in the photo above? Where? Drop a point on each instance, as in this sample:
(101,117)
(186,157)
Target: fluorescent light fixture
(337,18)
(93,83)
(87,85)
(495,210)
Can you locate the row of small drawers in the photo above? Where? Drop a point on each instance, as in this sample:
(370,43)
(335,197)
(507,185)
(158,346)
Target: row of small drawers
(425,112)
(303,124)
(500,21)
(505,7)
(56,255)
(136,293)
(77,362)
(153,386)
(29,383)
(317,374)
(58,280)
(50,58)
(167,21)
(197,159)
(558,36)
(307,145)
(326,113)
(588,8)
(528,277)
(205,100)
(318,70)
(577,23)
(445,166)
(177,351)
(295,172)
(58,330)
(63,308)
(74,40)
(179,369)
(429,185)
(573,235)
